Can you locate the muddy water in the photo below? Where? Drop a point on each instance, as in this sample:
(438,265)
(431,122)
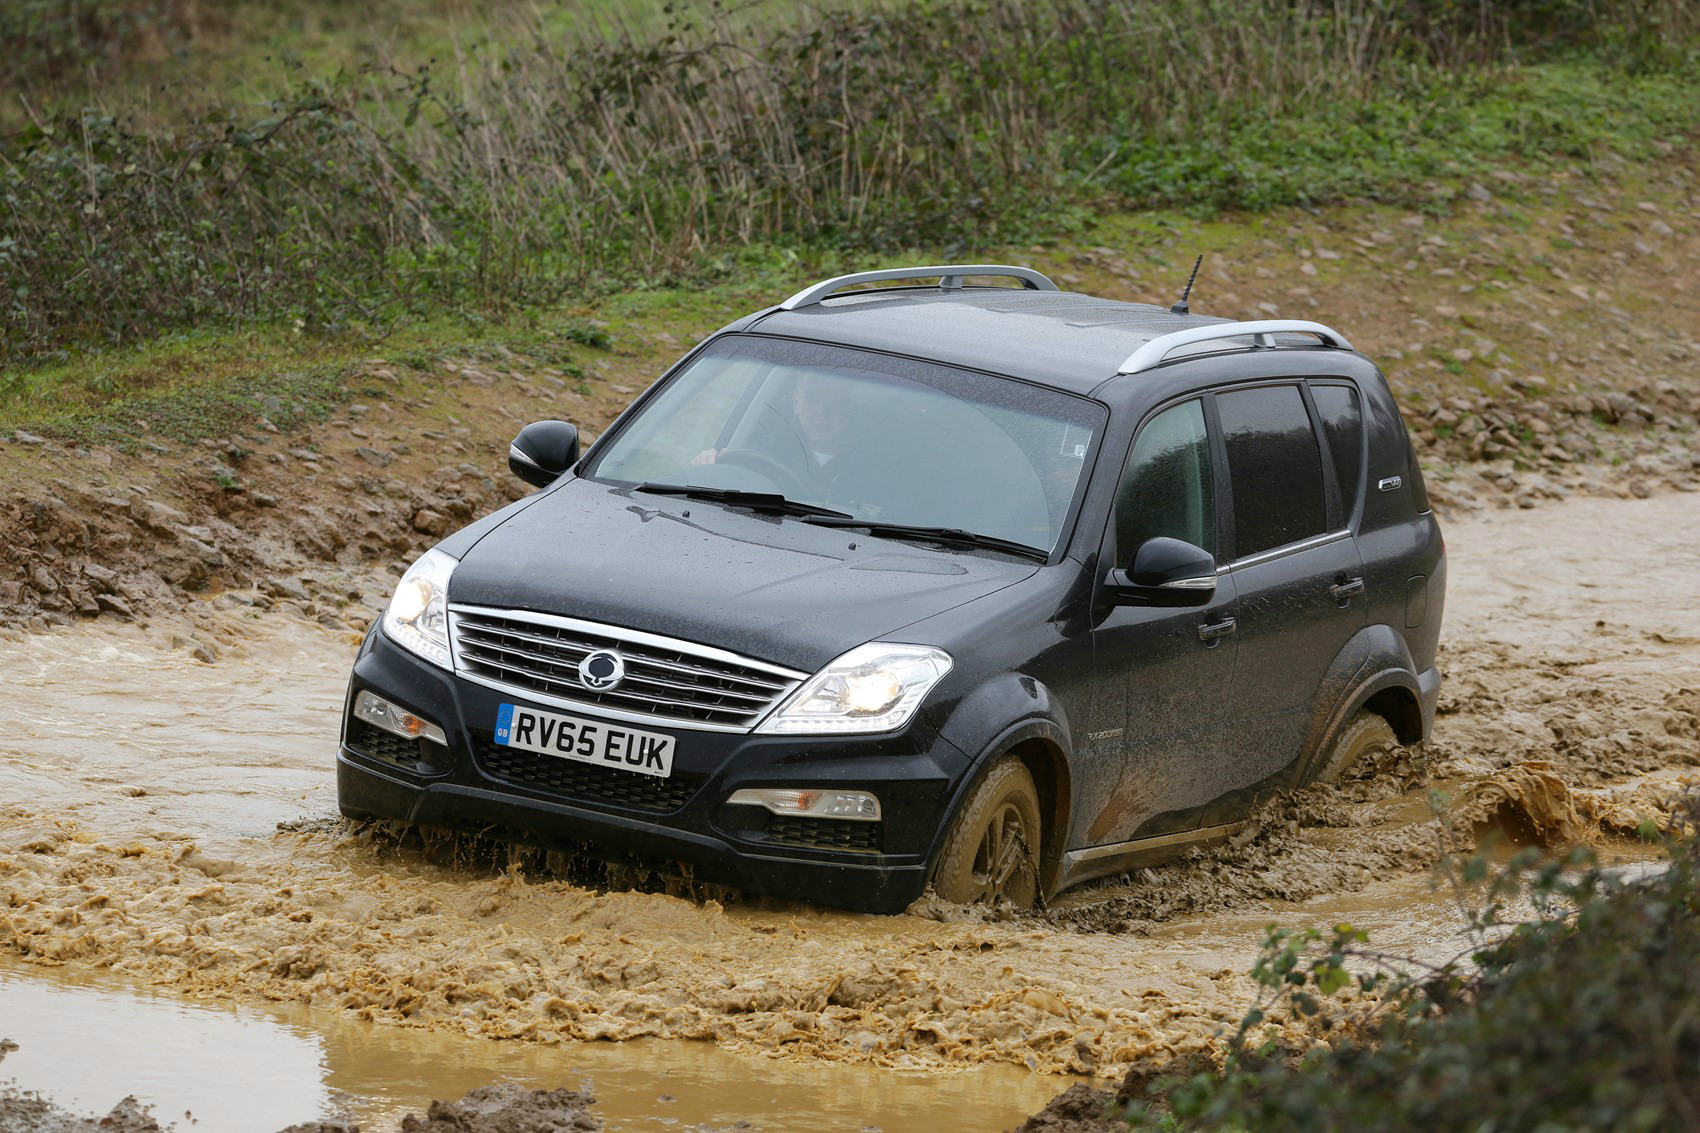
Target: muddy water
(139,838)
(251,1068)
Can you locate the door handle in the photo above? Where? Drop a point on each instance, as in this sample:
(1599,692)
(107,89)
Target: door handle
(1211,634)
(1347,589)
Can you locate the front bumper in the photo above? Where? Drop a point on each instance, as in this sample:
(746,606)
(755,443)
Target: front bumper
(683,820)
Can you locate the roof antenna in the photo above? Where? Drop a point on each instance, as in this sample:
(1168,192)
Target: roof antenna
(1181,307)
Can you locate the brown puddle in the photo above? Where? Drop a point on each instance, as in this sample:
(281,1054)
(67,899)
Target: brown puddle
(139,839)
(86,1040)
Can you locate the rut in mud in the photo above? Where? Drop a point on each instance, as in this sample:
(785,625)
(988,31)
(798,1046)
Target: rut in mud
(143,838)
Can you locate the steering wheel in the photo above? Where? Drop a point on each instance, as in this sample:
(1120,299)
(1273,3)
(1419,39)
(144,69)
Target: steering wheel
(787,481)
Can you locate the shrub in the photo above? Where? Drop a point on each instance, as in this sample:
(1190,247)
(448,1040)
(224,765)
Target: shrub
(1587,1017)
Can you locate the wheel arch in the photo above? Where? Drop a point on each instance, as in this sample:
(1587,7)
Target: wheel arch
(1046,761)
(1374,672)
(1042,744)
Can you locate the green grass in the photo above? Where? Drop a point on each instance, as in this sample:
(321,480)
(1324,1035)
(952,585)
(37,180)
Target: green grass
(213,384)
(1419,147)
(246,52)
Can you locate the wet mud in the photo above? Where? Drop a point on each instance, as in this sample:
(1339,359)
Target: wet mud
(145,792)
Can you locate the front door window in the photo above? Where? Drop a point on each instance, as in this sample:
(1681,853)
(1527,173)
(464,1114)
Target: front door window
(1168,488)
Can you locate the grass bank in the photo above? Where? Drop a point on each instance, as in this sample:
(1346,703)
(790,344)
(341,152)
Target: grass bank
(567,165)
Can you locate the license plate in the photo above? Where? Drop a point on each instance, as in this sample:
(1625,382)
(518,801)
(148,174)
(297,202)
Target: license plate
(587,741)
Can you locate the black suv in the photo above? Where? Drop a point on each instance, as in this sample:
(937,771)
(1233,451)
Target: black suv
(990,588)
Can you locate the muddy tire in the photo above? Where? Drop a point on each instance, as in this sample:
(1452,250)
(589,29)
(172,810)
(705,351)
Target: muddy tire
(991,854)
(1356,747)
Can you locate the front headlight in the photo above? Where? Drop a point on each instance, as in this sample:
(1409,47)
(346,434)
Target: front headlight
(418,615)
(873,688)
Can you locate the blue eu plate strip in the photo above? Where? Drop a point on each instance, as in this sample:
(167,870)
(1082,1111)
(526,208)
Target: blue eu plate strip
(504,723)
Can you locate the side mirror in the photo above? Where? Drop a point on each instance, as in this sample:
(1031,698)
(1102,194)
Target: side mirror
(1167,572)
(542,451)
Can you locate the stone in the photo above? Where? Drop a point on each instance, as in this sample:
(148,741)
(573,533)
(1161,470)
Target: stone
(286,588)
(206,552)
(24,438)
(1620,405)
(1639,489)
(431,522)
(103,577)
(375,457)
(162,518)
(113,604)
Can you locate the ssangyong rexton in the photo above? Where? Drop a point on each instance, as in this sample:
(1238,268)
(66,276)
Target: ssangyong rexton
(986,588)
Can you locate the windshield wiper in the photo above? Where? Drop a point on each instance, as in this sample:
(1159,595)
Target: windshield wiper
(737,497)
(934,534)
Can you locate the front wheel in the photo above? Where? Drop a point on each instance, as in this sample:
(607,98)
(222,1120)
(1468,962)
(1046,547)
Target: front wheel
(991,853)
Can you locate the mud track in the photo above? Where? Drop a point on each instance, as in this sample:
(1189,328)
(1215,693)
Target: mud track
(174,822)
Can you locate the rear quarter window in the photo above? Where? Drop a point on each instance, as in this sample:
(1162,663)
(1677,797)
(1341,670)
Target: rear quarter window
(1274,467)
(1343,426)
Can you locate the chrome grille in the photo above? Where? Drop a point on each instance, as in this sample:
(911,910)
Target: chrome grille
(666,681)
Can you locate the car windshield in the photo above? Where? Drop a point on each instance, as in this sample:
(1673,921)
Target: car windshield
(883,439)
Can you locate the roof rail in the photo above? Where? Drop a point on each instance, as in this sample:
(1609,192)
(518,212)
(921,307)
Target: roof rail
(950,277)
(1262,332)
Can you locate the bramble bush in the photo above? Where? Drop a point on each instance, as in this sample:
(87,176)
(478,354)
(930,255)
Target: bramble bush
(1586,1017)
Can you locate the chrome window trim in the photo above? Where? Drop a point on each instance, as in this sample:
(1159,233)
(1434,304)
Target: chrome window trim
(791,678)
(1286,549)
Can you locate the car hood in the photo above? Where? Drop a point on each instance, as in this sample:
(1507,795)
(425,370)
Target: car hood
(773,588)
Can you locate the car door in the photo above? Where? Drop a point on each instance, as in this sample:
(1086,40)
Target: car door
(1161,670)
(1297,572)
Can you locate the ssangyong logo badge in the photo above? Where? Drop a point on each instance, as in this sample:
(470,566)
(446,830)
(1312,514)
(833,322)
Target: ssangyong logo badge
(601,671)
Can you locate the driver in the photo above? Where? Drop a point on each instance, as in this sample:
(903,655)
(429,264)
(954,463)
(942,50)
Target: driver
(818,404)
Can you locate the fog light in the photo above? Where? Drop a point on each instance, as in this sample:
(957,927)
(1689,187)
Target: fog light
(381,713)
(859,806)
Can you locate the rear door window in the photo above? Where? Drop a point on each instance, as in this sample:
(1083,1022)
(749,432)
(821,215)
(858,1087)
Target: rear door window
(1168,487)
(1342,425)
(1274,467)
